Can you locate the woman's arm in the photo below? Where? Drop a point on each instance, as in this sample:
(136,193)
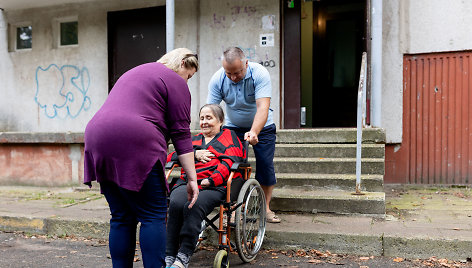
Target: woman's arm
(220,175)
(188,164)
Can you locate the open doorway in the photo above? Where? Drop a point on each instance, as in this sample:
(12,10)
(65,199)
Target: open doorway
(332,42)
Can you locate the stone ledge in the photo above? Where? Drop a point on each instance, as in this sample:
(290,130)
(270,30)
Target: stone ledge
(41,137)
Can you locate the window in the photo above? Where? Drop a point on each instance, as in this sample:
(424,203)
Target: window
(65,32)
(20,36)
(69,33)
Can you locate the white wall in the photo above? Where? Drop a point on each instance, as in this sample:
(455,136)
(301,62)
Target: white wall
(39,76)
(417,26)
(32,80)
(6,81)
(225,23)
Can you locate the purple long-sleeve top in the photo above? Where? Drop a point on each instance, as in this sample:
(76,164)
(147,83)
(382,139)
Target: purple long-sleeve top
(128,135)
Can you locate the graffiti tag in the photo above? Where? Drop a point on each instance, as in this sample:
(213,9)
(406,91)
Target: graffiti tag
(61,92)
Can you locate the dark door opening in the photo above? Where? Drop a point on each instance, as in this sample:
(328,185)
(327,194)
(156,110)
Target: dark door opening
(331,50)
(134,37)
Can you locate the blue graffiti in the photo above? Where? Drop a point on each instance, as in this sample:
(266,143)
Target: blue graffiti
(62,91)
(250,53)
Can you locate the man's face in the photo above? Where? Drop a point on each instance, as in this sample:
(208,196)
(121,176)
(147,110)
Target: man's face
(235,70)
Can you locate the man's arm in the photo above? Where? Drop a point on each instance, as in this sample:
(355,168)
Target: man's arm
(260,119)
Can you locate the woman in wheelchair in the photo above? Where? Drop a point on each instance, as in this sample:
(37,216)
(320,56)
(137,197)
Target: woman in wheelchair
(215,151)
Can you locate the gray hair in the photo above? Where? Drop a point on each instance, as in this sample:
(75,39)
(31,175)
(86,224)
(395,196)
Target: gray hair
(216,110)
(233,53)
(173,59)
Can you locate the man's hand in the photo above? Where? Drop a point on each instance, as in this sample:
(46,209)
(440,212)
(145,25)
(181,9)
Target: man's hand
(192,191)
(251,136)
(203,156)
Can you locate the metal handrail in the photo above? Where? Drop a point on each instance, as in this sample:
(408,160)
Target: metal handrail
(361,115)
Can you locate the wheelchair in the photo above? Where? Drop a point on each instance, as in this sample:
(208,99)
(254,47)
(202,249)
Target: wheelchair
(246,200)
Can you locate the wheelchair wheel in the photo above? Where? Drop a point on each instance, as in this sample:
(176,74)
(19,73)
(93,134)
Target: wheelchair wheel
(250,220)
(221,259)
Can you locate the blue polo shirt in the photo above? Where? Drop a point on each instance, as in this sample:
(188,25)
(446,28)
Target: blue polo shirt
(240,98)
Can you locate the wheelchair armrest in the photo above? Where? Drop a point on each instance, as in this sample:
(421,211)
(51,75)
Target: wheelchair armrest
(171,164)
(237,166)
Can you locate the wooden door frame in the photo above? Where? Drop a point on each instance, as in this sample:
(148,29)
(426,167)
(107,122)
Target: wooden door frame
(291,59)
(291,42)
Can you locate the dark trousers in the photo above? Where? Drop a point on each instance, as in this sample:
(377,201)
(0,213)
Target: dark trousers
(264,152)
(149,207)
(183,224)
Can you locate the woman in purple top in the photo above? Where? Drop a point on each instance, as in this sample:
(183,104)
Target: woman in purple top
(126,149)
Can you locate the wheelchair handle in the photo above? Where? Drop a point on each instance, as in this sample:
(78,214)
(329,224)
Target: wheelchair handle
(245,149)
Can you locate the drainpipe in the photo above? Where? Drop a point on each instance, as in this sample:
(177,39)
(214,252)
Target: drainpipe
(376,64)
(3,31)
(170,13)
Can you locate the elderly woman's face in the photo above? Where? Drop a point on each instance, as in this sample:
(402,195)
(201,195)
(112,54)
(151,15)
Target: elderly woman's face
(209,123)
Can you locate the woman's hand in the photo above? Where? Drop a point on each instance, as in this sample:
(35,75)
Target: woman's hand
(205,183)
(203,156)
(192,193)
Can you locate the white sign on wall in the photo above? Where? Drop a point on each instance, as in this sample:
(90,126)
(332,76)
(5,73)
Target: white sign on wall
(267,40)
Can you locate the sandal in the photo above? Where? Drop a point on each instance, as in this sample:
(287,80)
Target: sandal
(272,218)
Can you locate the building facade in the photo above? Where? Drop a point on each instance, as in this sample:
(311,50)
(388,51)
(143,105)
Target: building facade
(60,58)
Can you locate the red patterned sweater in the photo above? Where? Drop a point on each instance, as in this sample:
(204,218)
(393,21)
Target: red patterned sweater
(227,149)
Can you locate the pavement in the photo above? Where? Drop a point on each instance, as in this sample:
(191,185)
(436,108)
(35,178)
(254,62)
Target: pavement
(420,221)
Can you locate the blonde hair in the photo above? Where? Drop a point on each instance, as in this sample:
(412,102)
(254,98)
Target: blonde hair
(174,58)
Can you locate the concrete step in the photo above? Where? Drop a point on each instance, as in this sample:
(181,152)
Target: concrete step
(323,150)
(346,182)
(330,135)
(301,199)
(325,165)
(328,150)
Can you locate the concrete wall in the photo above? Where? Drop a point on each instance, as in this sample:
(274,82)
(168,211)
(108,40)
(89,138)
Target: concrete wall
(417,26)
(226,23)
(33,80)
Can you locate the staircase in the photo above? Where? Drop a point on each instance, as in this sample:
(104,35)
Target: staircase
(316,171)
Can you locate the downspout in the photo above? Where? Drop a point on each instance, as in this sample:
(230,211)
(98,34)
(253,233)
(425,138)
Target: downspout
(376,62)
(170,13)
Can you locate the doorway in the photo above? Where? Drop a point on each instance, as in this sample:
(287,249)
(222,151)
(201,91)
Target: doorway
(332,42)
(134,37)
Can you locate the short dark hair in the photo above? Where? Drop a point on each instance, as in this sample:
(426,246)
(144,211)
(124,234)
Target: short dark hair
(233,53)
(216,110)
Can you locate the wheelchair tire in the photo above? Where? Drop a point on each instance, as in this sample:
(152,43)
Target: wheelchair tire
(221,259)
(250,220)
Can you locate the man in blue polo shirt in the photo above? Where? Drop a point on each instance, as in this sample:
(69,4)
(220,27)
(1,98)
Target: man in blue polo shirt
(246,89)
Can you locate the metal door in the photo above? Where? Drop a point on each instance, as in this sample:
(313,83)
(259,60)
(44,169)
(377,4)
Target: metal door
(437,120)
(134,37)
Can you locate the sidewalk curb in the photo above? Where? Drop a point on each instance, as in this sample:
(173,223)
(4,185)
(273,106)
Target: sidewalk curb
(372,245)
(356,244)
(58,227)
(426,247)
(366,245)
(22,224)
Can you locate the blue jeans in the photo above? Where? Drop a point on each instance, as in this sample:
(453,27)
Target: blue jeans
(149,207)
